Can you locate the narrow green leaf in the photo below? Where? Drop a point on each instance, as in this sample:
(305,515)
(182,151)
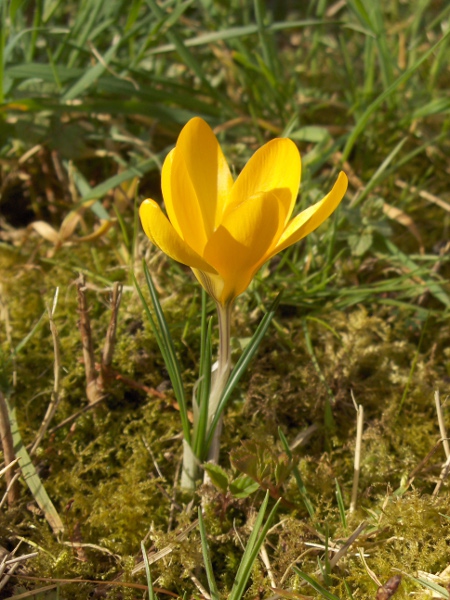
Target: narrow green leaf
(151,593)
(328,417)
(434,587)
(238,32)
(298,478)
(91,75)
(3,54)
(266,45)
(138,171)
(165,343)
(252,549)
(433,286)
(341,506)
(14,6)
(434,107)
(316,585)
(27,338)
(204,388)
(186,56)
(31,477)
(348,590)
(380,173)
(207,558)
(403,78)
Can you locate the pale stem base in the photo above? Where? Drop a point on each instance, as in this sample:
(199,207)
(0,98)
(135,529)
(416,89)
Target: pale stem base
(191,463)
(221,375)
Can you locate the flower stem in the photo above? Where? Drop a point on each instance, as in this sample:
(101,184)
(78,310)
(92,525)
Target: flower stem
(221,375)
(191,462)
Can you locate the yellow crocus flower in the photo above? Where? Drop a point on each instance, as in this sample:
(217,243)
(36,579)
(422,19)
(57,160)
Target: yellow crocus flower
(226,230)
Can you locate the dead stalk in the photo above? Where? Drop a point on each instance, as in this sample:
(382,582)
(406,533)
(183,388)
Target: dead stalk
(95,385)
(446,466)
(357,462)
(84,325)
(266,561)
(8,452)
(110,342)
(441,422)
(12,483)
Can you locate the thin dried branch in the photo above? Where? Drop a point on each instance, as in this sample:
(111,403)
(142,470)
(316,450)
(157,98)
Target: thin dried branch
(155,556)
(96,384)
(442,476)
(84,325)
(266,561)
(8,452)
(357,462)
(345,548)
(423,194)
(422,463)
(110,342)
(200,587)
(4,316)
(441,422)
(10,562)
(9,486)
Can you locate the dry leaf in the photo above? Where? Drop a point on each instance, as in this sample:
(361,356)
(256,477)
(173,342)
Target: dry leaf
(401,217)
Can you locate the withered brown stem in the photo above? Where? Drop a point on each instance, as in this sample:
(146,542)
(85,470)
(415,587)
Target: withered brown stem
(8,451)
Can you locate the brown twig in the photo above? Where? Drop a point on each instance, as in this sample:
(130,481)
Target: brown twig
(110,342)
(12,483)
(8,452)
(84,325)
(96,384)
(423,194)
(357,460)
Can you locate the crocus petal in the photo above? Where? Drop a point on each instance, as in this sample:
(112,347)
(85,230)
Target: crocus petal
(274,166)
(208,170)
(162,233)
(188,210)
(213,284)
(166,186)
(239,245)
(308,220)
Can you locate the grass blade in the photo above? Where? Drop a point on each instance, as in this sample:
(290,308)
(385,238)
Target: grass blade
(91,75)
(204,387)
(151,593)
(186,56)
(298,478)
(434,587)
(3,17)
(341,506)
(165,343)
(31,477)
(207,558)
(254,544)
(364,119)
(316,585)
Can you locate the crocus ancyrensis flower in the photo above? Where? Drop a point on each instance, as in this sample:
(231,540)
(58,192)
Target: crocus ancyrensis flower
(226,230)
